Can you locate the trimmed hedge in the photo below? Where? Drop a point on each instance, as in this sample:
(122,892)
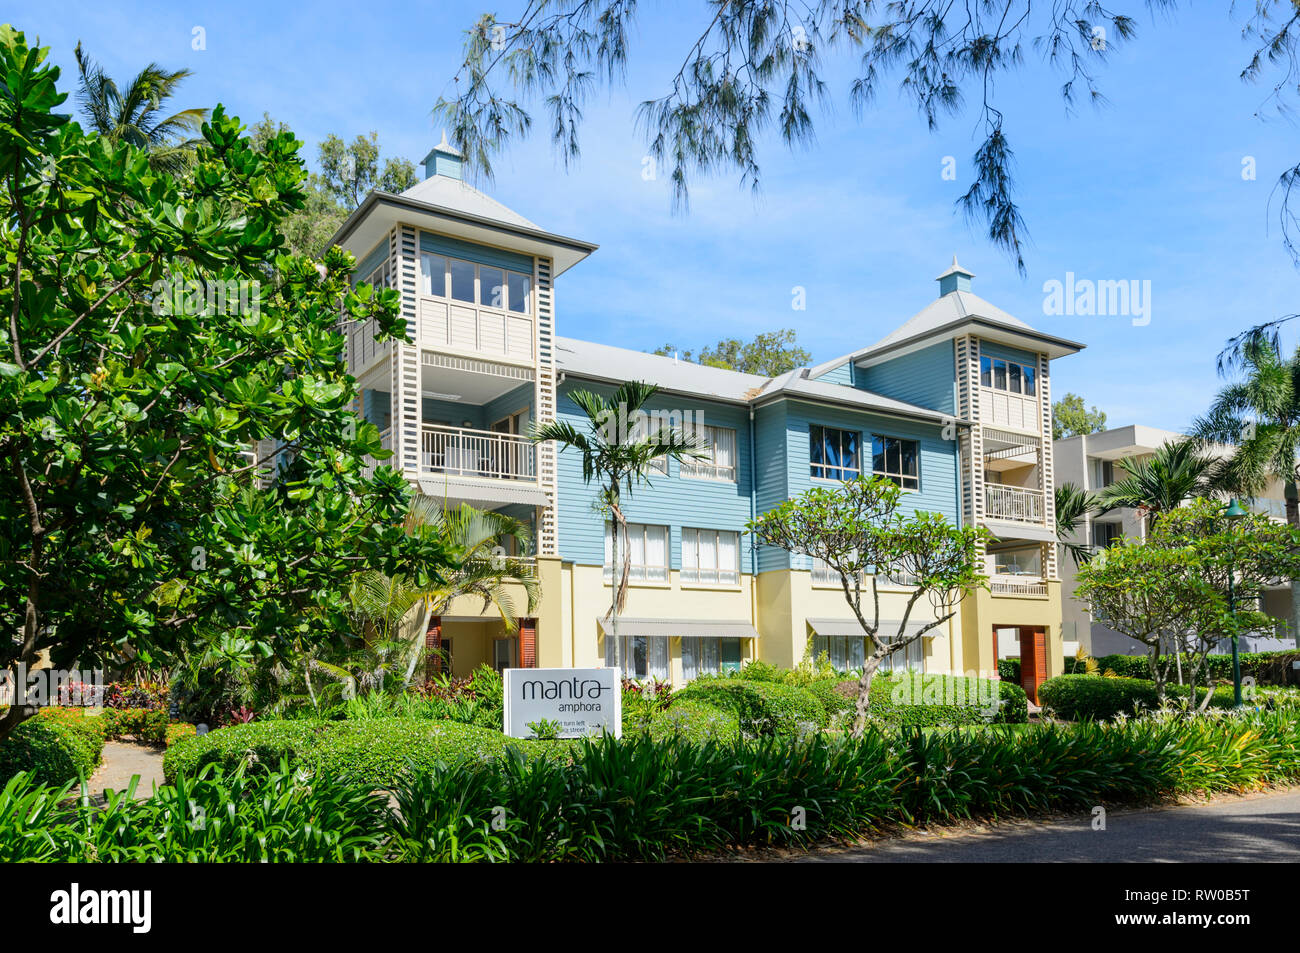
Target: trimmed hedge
(1095,696)
(376,750)
(693,721)
(917,700)
(55,748)
(148,725)
(761,707)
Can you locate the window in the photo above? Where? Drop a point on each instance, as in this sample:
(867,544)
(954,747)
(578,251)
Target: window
(1104,534)
(1103,473)
(642,657)
(645,549)
(849,652)
(824,575)
(834,453)
(711,555)
(492,288)
(519,291)
(462,280)
(484,285)
(896,459)
(719,462)
(1009,376)
(433,274)
(380,277)
(709,656)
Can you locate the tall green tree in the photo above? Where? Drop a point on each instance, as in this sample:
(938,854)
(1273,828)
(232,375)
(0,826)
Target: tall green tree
(1072,418)
(857,530)
(1177,471)
(1259,416)
(158,355)
(747,69)
(350,170)
(618,447)
(769,354)
(135,115)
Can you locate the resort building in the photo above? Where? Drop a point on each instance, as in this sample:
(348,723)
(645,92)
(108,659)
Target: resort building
(953,404)
(1093,462)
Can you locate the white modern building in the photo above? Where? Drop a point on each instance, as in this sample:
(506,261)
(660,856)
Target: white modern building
(1092,462)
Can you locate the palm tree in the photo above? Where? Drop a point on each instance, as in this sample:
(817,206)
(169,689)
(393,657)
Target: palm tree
(617,452)
(1176,472)
(1072,505)
(486,569)
(1259,415)
(381,605)
(134,115)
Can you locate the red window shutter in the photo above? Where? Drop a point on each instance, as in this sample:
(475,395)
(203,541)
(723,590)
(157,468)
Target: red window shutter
(433,643)
(528,643)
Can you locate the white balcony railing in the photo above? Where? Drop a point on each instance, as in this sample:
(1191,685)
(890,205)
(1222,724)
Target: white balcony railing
(1013,503)
(445,324)
(1017,585)
(477,453)
(1001,409)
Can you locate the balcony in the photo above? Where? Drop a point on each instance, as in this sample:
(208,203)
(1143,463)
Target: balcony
(999,408)
(484,454)
(1015,503)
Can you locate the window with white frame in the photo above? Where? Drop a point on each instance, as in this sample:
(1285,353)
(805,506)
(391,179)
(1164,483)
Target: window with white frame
(834,454)
(824,575)
(708,655)
(381,277)
(711,556)
(719,460)
(1010,376)
(897,459)
(643,657)
(849,652)
(645,550)
(485,285)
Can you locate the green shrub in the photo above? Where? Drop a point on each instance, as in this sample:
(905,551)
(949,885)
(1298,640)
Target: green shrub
(1096,696)
(693,721)
(146,725)
(52,750)
(918,700)
(376,751)
(761,707)
(178,731)
(92,728)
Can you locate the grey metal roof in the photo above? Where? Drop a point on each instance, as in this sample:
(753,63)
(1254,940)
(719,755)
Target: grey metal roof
(446,192)
(683,628)
(603,362)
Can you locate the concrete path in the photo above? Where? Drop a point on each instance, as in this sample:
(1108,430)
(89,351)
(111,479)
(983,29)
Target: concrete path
(122,759)
(1259,828)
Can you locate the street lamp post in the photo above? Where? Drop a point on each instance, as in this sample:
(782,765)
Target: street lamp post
(1234,512)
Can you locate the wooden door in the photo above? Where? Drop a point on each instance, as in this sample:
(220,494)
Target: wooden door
(1033,660)
(527,643)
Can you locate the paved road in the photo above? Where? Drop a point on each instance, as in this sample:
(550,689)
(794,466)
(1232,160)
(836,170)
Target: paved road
(1256,829)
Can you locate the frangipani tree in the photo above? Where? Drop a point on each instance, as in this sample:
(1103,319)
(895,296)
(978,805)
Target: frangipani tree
(858,531)
(1193,582)
(619,446)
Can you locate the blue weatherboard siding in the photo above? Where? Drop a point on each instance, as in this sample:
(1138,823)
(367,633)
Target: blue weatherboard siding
(771,450)
(671,500)
(376,405)
(839,375)
(938,464)
(924,378)
(373,260)
(469,251)
(516,400)
(994,349)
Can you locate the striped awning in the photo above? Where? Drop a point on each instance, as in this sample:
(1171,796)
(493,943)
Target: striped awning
(682,628)
(888,628)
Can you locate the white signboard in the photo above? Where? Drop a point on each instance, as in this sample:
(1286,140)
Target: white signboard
(583,701)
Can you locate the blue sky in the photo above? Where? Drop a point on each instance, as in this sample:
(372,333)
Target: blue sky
(1148,188)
